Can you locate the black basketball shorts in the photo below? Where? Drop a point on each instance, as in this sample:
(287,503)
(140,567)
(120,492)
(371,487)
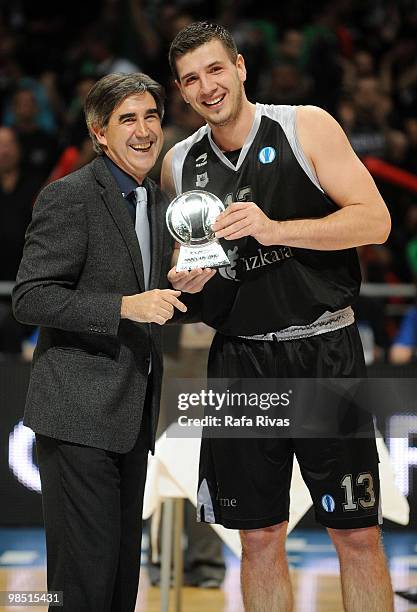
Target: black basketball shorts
(244,483)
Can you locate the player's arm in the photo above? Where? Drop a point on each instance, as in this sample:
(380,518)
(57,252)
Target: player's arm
(168,186)
(167,179)
(362,217)
(188,281)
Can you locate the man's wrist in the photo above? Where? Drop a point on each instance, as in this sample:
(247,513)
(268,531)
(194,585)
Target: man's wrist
(124,308)
(273,237)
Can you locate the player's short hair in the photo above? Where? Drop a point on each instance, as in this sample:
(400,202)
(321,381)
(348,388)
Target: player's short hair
(110,91)
(196,34)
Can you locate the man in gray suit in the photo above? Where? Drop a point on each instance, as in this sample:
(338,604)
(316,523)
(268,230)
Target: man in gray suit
(93,277)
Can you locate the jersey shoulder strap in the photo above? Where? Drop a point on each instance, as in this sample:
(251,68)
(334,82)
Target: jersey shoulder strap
(285,115)
(181,150)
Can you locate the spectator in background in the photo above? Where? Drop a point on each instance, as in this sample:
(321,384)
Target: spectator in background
(46,97)
(364,63)
(103,56)
(346,113)
(322,56)
(253,38)
(403,349)
(18,190)
(52,102)
(410,125)
(154,28)
(40,149)
(75,121)
(286,85)
(369,118)
(78,149)
(402,242)
(369,314)
(361,64)
(411,244)
(10,69)
(17,194)
(396,148)
(399,72)
(290,47)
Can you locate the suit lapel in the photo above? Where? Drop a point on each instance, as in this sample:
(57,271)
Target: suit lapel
(118,210)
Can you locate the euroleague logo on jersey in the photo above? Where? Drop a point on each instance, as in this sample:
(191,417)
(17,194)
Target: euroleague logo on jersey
(328,503)
(267,155)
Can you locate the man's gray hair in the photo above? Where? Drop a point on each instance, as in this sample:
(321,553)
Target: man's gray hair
(110,91)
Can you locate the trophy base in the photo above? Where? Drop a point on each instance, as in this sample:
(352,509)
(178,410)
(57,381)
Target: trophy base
(207,256)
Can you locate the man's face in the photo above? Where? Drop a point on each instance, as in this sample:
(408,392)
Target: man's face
(133,137)
(25,105)
(367,94)
(212,83)
(9,150)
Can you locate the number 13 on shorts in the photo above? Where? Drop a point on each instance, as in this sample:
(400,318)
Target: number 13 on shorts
(365,501)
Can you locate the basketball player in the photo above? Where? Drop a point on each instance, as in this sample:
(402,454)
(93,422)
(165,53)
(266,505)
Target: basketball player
(298,202)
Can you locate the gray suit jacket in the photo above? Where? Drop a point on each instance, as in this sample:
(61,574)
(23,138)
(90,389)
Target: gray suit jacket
(90,369)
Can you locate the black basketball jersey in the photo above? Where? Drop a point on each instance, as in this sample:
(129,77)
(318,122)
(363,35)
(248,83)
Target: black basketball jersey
(267,288)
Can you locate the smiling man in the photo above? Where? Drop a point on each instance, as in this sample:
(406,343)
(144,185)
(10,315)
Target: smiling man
(93,277)
(298,200)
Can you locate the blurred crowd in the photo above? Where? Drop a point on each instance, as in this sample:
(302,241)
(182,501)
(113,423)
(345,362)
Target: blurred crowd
(358,60)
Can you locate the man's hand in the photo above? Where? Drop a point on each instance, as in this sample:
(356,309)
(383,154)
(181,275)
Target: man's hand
(155,306)
(190,281)
(245,219)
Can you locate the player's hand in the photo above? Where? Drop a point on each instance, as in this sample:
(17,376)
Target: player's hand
(155,306)
(190,281)
(242,219)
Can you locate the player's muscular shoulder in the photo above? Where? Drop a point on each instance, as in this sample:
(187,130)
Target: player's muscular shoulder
(167,179)
(317,131)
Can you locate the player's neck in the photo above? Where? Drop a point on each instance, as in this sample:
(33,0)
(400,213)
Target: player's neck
(232,136)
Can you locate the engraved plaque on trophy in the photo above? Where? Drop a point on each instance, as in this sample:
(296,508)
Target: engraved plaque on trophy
(189,219)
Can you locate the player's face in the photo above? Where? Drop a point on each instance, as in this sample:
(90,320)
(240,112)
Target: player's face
(212,83)
(133,136)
